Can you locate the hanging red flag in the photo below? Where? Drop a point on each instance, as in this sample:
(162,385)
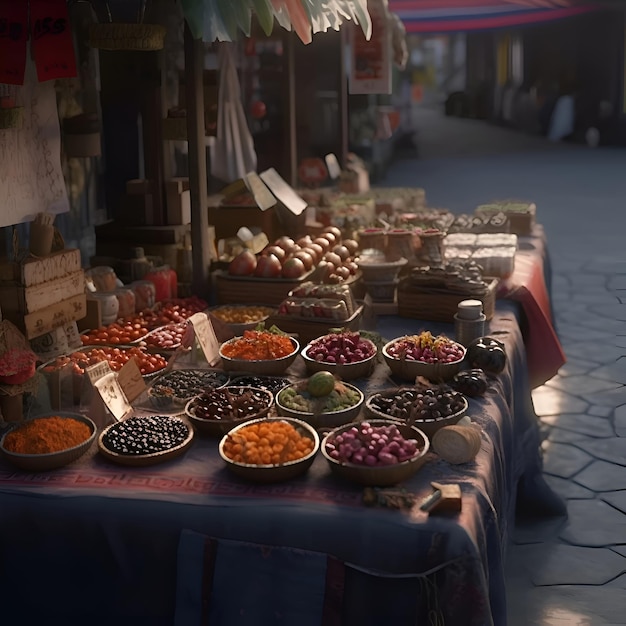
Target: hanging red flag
(13,39)
(53,46)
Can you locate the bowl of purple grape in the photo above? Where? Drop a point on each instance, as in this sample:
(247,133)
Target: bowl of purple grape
(346,355)
(376,453)
(435,357)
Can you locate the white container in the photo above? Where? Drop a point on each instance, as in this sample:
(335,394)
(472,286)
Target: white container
(109,306)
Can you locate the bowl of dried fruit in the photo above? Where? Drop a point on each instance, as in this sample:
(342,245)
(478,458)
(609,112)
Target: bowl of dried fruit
(270,449)
(241,317)
(216,411)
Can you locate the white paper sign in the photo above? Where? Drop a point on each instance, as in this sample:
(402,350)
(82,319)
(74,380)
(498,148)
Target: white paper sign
(334,169)
(283,191)
(205,334)
(31,178)
(112,395)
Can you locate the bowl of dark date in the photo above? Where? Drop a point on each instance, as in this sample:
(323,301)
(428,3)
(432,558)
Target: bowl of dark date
(429,410)
(217,411)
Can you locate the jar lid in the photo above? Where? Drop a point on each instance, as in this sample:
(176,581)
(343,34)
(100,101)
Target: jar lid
(470,309)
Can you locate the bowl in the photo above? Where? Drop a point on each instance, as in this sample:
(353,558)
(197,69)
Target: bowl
(260,313)
(329,419)
(373,270)
(217,428)
(271,383)
(265,367)
(429,425)
(410,370)
(346,371)
(382,291)
(174,389)
(52,460)
(273,473)
(379,475)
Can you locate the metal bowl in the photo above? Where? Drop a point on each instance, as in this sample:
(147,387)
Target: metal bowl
(266,367)
(53,460)
(218,428)
(410,370)
(329,419)
(273,473)
(380,475)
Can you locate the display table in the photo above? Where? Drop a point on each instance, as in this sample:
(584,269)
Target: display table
(101,544)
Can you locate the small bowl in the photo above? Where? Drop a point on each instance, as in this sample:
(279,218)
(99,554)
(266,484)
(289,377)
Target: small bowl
(346,371)
(267,367)
(238,328)
(428,426)
(377,271)
(382,291)
(218,428)
(380,475)
(53,460)
(274,473)
(410,370)
(322,420)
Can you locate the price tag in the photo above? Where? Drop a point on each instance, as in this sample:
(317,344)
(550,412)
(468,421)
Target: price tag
(283,191)
(262,195)
(334,169)
(131,381)
(112,395)
(205,334)
(97,371)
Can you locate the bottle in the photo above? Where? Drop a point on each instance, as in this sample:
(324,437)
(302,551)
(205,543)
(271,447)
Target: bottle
(469,321)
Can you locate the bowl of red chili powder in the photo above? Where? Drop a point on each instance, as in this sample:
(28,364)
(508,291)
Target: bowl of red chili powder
(48,441)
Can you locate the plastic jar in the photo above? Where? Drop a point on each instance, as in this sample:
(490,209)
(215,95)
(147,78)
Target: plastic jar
(109,306)
(161,279)
(145,294)
(103,277)
(126,300)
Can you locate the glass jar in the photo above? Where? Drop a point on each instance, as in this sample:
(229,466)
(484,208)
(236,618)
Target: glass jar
(103,277)
(145,294)
(126,300)
(161,279)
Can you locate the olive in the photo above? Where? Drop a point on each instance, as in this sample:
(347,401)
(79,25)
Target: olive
(145,435)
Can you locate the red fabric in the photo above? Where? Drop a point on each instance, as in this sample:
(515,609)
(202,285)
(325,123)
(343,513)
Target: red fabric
(13,39)
(52,43)
(527,286)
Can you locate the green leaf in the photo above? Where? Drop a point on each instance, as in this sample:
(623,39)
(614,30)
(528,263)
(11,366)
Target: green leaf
(264,14)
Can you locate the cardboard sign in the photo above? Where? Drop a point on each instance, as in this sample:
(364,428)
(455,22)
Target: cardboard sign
(131,381)
(334,169)
(13,40)
(97,371)
(283,191)
(205,334)
(370,71)
(112,395)
(52,42)
(261,193)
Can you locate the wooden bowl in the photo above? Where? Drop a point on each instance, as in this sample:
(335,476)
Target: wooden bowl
(266,367)
(218,428)
(346,371)
(330,419)
(410,370)
(53,460)
(380,475)
(274,473)
(428,426)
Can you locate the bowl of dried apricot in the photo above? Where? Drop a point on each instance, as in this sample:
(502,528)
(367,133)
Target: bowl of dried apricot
(270,449)
(240,317)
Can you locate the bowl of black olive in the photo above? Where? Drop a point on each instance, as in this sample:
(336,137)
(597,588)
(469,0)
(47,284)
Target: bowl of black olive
(217,411)
(145,440)
(428,409)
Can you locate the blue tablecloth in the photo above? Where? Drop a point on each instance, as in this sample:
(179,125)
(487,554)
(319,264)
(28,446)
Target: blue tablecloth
(183,543)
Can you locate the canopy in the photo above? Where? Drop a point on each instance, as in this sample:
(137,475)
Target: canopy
(440,16)
(223,20)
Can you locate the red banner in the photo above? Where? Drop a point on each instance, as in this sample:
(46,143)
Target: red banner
(53,46)
(13,38)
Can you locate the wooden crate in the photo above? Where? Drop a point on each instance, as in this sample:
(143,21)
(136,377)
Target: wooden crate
(309,328)
(439,305)
(34,271)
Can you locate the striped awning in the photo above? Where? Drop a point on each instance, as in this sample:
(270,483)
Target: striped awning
(440,16)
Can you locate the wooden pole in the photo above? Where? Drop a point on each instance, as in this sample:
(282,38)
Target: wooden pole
(194,99)
(291,140)
(343,96)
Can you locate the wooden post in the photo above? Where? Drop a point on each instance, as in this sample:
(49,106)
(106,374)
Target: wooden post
(342,89)
(194,99)
(291,140)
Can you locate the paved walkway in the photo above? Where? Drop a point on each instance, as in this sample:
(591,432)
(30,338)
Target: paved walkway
(560,572)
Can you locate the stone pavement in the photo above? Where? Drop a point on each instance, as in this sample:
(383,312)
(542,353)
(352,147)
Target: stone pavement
(560,572)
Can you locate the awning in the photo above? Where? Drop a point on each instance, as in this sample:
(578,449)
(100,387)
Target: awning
(440,16)
(224,20)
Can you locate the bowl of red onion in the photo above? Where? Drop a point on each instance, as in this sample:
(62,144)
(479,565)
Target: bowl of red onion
(376,453)
(437,358)
(347,355)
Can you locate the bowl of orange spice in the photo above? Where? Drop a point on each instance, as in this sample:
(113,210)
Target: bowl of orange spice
(268,352)
(49,441)
(270,449)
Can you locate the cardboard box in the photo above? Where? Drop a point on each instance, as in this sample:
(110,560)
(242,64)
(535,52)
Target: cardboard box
(34,271)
